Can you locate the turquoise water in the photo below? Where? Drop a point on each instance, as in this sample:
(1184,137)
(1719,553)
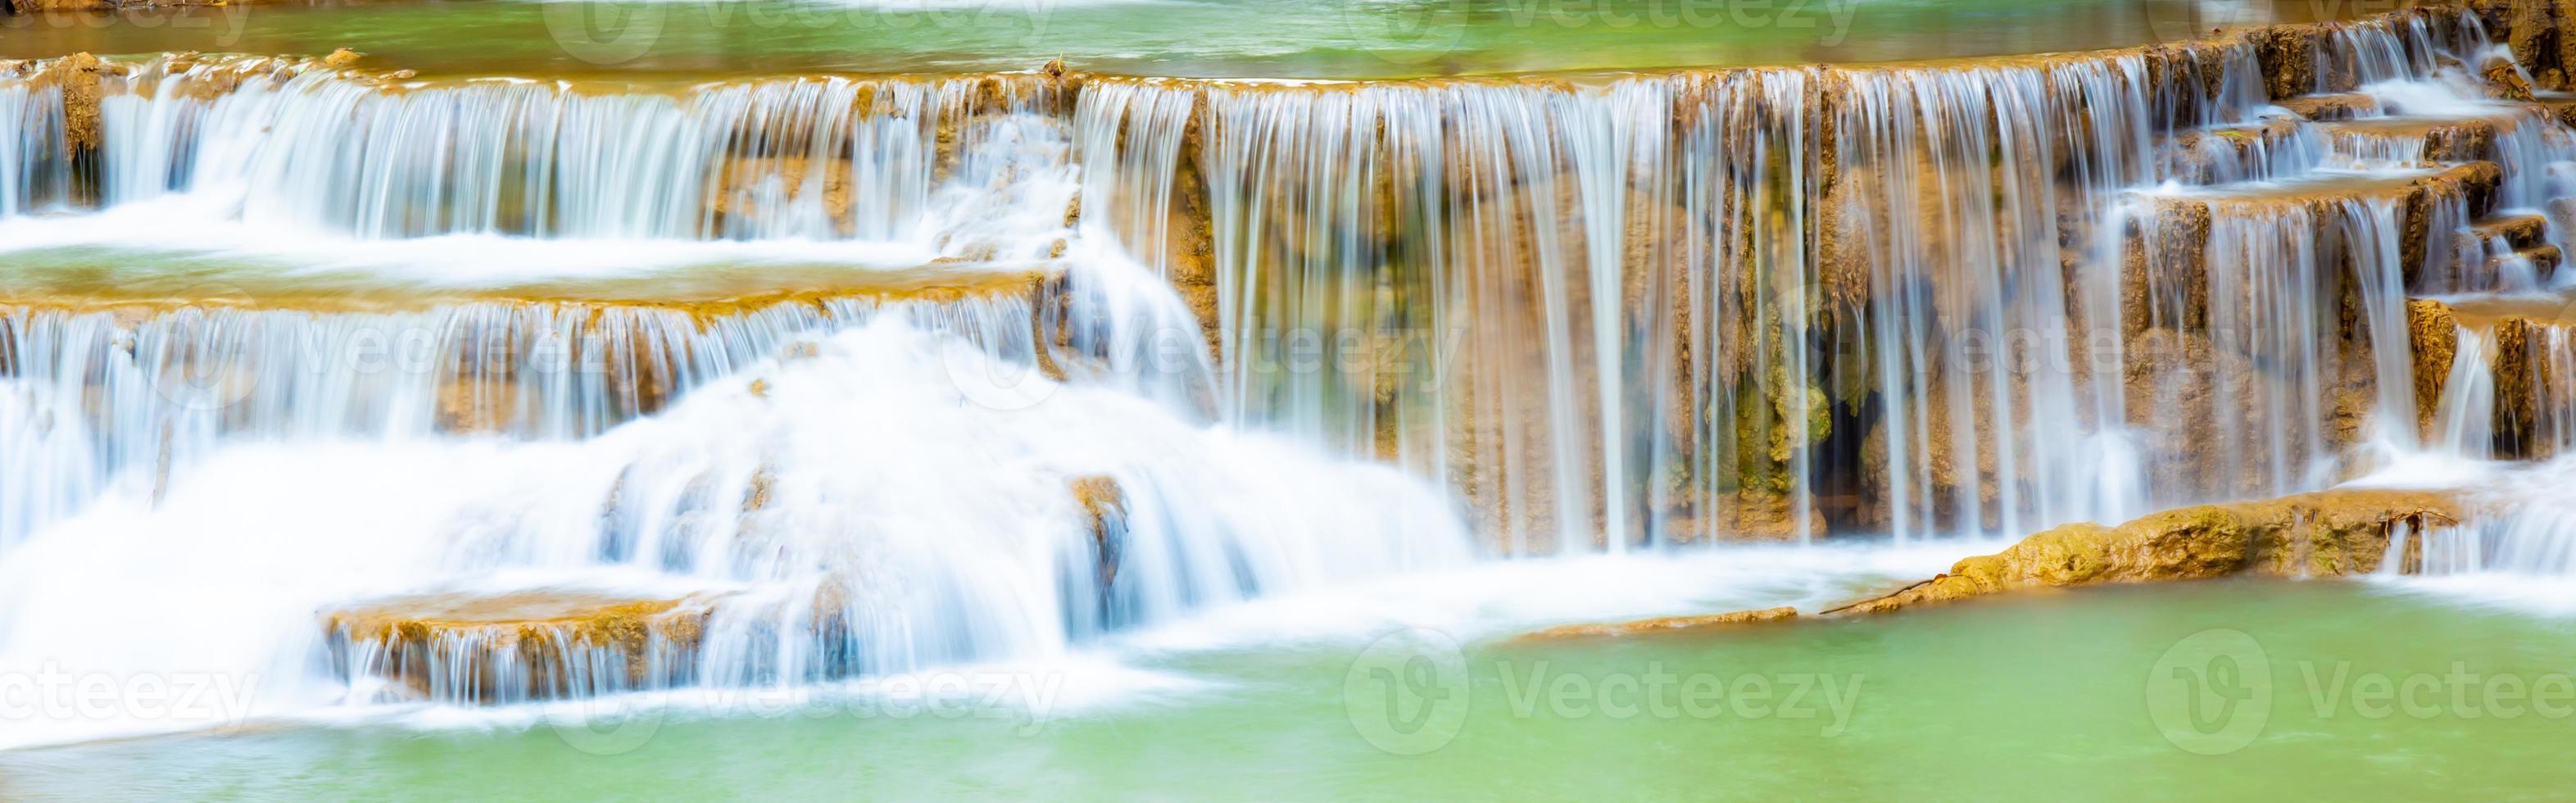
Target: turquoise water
(1195,38)
(2038,697)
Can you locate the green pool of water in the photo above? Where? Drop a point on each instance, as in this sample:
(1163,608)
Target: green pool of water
(2284,690)
(1195,38)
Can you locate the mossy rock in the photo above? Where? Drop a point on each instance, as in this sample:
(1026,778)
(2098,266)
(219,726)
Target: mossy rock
(2329,533)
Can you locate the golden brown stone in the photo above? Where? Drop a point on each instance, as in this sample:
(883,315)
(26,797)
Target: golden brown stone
(2328,533)
(2432,332)
(1104,509)
(2331,106)
(513,646)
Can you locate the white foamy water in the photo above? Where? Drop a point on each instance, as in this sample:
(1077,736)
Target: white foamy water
(1626,333)
(947,524)
(1502,599)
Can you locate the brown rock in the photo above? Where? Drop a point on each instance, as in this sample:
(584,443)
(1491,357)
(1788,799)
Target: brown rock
(2318,534)
(2432,332)
(77,75)
(2505,80)
(1104,508)
(530,645)
(2334,106)
(1663,624)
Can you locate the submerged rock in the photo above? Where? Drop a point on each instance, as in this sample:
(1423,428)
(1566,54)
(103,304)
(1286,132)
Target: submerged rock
(2318,534)
(1664,624)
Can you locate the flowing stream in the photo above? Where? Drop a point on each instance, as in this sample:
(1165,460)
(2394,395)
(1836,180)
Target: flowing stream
(854,377)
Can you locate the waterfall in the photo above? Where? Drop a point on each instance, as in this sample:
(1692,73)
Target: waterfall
(285,147)
(816,377)
(747,495)
(1651,310)
(34,170)
(2466,416)
(118,400)
(2510,389)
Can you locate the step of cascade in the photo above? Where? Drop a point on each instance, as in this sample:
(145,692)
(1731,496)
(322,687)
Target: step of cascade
(2421,139)
(2229,153)
(2506,251)
(502,647)
(2186,85)
(2560,106)
(2542,260)
(499,649)
(2179,222)
(2331,106)
(569,358)
(2518,231)
(2495,375)
(2221,289)
(105,387)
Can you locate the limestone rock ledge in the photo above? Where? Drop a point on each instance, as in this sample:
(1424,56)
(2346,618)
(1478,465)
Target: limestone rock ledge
(529,645)
(2526,349)
(2328,533)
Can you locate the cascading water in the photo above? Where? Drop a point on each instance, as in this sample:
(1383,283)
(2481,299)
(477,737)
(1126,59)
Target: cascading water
(1079,353)
(824,549)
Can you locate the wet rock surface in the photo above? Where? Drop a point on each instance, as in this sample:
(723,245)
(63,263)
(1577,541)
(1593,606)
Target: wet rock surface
(531,645)
(2323,534)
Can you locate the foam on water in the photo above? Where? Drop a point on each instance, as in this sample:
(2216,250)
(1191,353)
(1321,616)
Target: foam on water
(1502,599)
(1641,344)
(943,521)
